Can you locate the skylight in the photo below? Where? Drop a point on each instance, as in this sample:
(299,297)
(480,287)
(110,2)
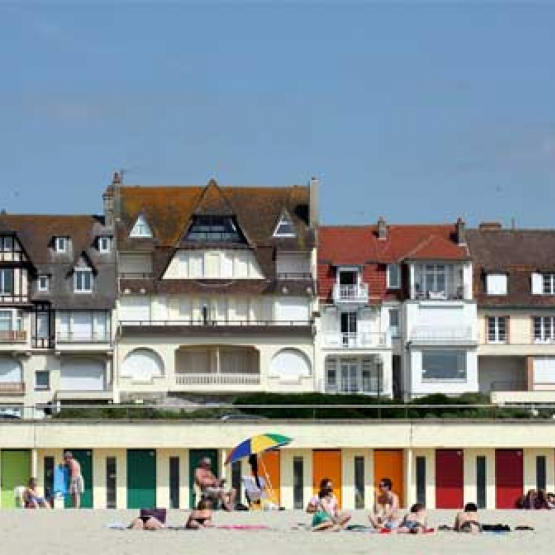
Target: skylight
(285,227)
(141,228)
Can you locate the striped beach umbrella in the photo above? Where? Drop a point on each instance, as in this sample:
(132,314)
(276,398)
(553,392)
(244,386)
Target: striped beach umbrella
(257,444)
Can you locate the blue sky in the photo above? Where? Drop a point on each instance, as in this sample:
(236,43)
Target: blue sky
(418,112)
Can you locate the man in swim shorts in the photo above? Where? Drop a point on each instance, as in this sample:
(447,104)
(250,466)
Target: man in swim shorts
(76,482)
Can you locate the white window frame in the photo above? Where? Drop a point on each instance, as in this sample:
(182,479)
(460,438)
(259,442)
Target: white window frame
(495,332)
(141,229)
(42,387)
(7,243)
(43,283)
(395,331)
(548,284)
(545,325)
(285,218)
(61,244)
(104,244)
(76,279)
(497,285)
(14,317)
(394,284)
(461,364)
(3,272)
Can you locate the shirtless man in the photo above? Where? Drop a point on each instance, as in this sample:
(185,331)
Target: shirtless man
(76,482)
(212,487)
(385,512)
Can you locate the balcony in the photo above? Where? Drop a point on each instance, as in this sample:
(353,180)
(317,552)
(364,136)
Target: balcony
(355,340)
(209,326)
(450,293)
(438,334)
(217,379)
(350,294)
(79,337)
(12,388)
(13,336)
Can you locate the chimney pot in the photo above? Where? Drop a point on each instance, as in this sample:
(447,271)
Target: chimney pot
(461,238)
(313,203)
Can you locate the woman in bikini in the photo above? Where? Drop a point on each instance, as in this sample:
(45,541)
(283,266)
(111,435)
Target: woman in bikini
(201,517)
(326,503)
(385,513)
(467,520)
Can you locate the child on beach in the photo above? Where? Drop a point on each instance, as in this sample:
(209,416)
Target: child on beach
(201,517)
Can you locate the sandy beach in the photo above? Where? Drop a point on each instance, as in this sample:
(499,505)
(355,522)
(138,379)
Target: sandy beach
(87,532)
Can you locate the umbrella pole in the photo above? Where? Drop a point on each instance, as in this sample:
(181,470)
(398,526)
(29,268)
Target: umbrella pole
(268,481)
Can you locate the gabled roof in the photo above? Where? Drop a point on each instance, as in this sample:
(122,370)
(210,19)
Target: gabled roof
(169,211)
(213,202)
(342,245)
(346,245)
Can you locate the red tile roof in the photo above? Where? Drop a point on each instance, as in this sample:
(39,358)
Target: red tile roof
(343,245)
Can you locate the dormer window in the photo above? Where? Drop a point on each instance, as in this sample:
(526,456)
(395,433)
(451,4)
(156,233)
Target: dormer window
(141,228)
(6,244)
(285,227)
(42,283)
(61,244)
(104,244)
(496,284)
(83,280)
(543,284)
(393,276)
(214,229)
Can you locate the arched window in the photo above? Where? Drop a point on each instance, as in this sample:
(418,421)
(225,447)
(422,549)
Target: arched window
(290,365)
(142,365)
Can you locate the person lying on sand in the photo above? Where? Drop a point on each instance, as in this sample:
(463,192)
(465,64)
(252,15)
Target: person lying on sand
(201,517)
(415,522)
(467,520)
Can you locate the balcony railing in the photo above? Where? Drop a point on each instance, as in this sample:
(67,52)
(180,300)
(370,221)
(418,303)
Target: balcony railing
(433,334)
(135,275)
(217,379)
(214,322)
(12,388)
(77,337)
(450,293)
(350,293)
(294,275)
(13,336)
(355,340)
(519,385)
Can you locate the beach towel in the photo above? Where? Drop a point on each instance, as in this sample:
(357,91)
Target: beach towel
(61,479)
(243,527)
(496,528)
(425,531)
(361,528)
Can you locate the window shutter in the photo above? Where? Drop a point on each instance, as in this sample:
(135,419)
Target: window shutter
(537,284)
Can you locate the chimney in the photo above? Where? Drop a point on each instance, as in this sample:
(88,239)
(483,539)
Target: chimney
(461,238)
(489,226)
(110,197)
(314,207)
(382,229)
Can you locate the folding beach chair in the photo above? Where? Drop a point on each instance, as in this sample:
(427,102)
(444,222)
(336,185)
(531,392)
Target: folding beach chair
(254,494)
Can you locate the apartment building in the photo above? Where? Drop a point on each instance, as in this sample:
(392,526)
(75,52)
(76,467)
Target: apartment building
(57,293)
(216,288)
(514,284)
(356,324)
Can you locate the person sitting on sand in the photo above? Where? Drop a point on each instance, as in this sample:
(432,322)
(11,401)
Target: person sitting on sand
(414,522)
(550,501)
(467,520)
(212,487)
(339,517)
(201,517)
(541,500)
(385,513)
(31,497)
(326,515)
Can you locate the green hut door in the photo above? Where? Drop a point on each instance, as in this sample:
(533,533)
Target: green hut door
(15,470)
(141,478)
(194,458)
(85,458)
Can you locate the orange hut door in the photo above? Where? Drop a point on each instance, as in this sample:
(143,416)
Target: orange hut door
(389,463)
(327,464)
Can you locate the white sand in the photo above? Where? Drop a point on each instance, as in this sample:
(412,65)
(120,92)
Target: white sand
(86,532)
